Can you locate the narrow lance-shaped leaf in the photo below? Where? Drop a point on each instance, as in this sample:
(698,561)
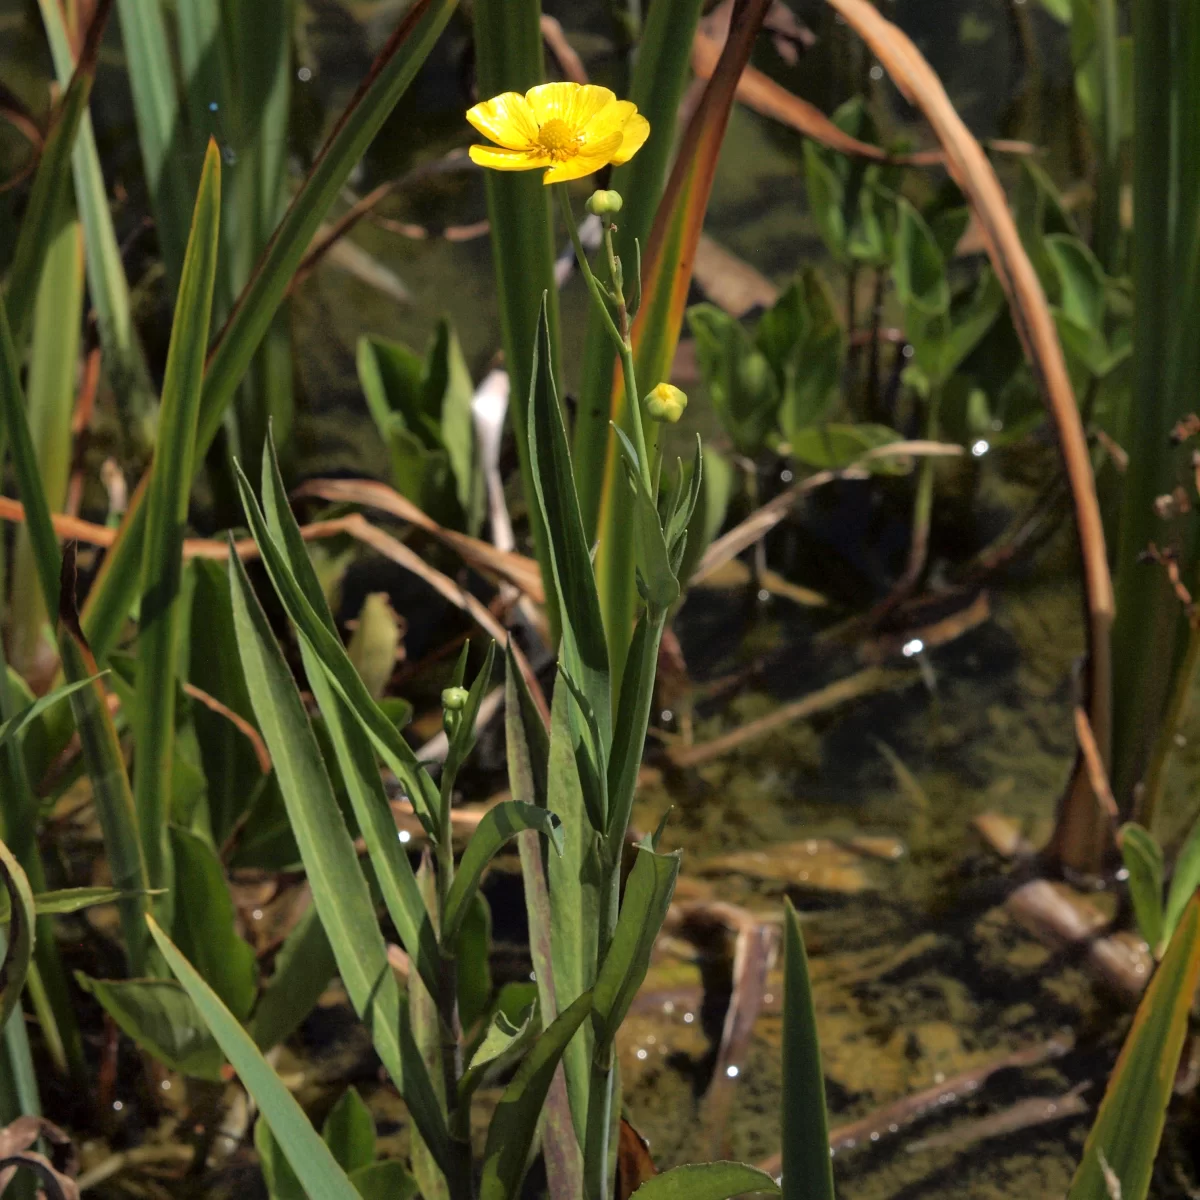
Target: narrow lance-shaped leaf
(644,907)
(1184,882)
(515,1120)
(166,516)
(499,824)
(804,1121)
(15,724)
(308,1155)
(1130,1121)
(50,183)
(355,754)
(394,69)
(338,886)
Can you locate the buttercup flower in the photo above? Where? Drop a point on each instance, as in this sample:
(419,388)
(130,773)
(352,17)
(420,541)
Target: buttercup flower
(665,402)
(572,129)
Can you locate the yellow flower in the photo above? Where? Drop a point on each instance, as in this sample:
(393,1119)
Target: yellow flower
(573,129)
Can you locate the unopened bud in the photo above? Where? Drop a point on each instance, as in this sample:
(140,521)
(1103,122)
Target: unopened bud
(604,204)
(454,699)
(665,402)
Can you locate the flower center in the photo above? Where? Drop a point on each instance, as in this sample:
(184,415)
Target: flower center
(558,139)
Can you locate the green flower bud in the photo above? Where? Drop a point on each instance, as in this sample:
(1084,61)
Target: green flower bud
(454,699)
(665,403)
(604,204)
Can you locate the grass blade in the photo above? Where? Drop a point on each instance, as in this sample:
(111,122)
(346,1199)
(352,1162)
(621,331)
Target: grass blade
(50,397)
(708,1181)
(18,950)
(108,287)
(110,599)
(1130,1121)
(807,1168)
(515,1120)
(50,183)
(166,516)
(1144,861)
(338,886)
(309,1157)
(659,76)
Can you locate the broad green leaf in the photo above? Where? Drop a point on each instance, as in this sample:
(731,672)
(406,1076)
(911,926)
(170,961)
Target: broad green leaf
(708,1181)
(502,1045)
(162,1019)
(111,596)
(1144,861)
(349,735)
(575,882)
(499,824)
(385,1181)
(825,200)
(166,516)
(515,1120)
(584,648)
(833,447)
(278,1175)
(1081,278)
(338,886)
(51,181)
(349,1132)
(374,643)
(19,938)
(648,893)
(307,1154)
(804,1122)
(303,968)
(473,977)
(1130,1120)
(1060,10)
(73,900)
(15,725)
(1184,882)
(205,924)
(919,269)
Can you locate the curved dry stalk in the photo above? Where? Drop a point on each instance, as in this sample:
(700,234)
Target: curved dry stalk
(1080,838)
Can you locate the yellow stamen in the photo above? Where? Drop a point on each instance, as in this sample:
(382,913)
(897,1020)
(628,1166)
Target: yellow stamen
(558,139)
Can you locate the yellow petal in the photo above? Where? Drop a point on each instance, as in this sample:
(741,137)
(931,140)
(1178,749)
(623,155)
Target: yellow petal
(575,168)
(635,135)
(507,160)
(573,103)
(507,119)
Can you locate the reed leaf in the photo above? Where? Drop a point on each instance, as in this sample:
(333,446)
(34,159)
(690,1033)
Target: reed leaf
(166,516)
(18,949)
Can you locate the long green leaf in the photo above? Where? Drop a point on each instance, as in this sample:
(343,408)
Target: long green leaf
(387,1180)
(72,900)
(166,516)
(499,824)
(708,1181)
(584,649)
(330,652)
(1144,861)
(18,951)
(15,724)
(308,1155)
(50,184)
(515,1120)
(1130,1121)
(394,69)
(804,1121)
(661,72)
(50,396)
(644,907)
(337,882)
(356,758)
(108,287)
